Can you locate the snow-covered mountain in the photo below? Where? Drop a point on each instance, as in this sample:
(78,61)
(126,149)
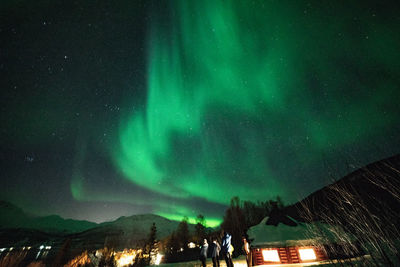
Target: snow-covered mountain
(125,231)
(19,229)
(136,225)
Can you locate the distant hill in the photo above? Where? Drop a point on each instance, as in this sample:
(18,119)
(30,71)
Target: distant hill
(125,231)
(13,217)
(19,229)
(374,188)
(137,225)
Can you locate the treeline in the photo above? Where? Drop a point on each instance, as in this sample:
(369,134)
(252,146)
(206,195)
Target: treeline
(241,215)
(238,218)
(182,245)
(149,249)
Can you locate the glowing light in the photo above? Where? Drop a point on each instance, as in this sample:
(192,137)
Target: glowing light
(191,245)
(271,255)
(210,222)
(158,259)
(98,253)
(307,254)
(48,247)
(41,247)
(240,68)
(80,260)
(126,257)
(181,127)
(125,260)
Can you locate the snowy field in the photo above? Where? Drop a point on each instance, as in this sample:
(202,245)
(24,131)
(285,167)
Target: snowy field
(238,262)
(241,262)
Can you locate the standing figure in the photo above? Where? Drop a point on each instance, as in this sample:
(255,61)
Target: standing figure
(246,248)
(203,253)
(226,246)
(216,248)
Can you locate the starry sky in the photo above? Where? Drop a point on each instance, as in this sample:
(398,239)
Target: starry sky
(112,108)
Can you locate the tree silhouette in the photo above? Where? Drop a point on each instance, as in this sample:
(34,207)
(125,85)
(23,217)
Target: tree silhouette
(240,216)
(151,242)
(200,229)
(234,223)
(183,233)
(152,237)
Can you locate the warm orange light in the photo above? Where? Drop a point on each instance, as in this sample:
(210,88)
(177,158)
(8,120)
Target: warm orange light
(271,255)
(126,257)
(307,254)
(125,260)
(80,260)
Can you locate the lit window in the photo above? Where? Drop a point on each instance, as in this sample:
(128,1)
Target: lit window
(271,255)
(307,254)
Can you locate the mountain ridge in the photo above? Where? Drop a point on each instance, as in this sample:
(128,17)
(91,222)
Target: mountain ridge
(11,216)
(125,231)
(376,185)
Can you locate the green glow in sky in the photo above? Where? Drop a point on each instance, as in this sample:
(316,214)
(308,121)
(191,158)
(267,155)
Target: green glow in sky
(210,222)
(174,107)
(206,67)
(236,90)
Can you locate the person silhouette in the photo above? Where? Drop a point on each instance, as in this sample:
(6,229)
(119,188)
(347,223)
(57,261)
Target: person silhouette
(246,248)
(225,249)
(203,253)
(215,249)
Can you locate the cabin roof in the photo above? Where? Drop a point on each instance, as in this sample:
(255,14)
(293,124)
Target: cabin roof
(302,234)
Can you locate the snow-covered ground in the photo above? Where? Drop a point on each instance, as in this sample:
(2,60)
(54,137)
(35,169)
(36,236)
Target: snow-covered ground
(241,262)
(238,262)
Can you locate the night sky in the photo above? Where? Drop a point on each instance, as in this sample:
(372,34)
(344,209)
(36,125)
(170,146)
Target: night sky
(112,108)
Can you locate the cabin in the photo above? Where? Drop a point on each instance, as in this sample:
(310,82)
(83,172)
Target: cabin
(289,242)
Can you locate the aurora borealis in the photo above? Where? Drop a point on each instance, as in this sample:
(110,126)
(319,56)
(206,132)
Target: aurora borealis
(174,107)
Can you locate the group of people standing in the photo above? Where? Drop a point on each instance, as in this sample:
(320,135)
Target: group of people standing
(215,250)
(225,249)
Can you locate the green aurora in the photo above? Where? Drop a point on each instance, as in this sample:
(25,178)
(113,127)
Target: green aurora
(232,82)
(114,108)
